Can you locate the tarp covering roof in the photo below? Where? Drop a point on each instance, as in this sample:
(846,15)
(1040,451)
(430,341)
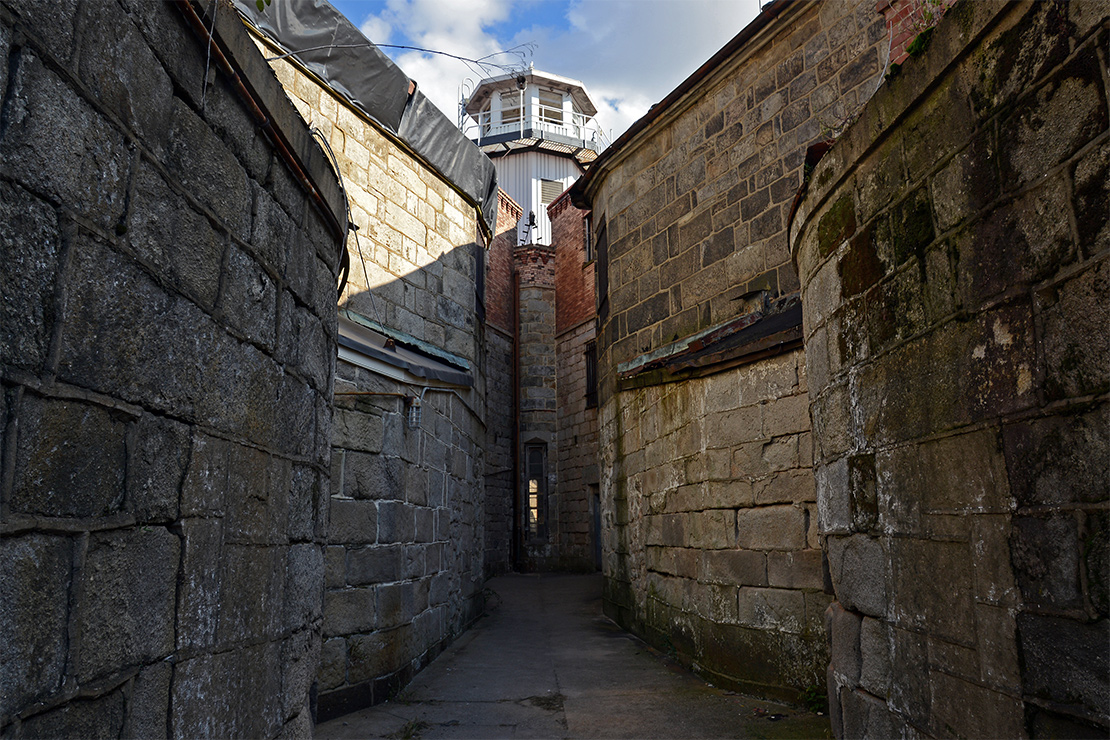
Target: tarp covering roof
(327,44)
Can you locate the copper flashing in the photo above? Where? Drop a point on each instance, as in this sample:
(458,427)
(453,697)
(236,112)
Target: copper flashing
(775,328)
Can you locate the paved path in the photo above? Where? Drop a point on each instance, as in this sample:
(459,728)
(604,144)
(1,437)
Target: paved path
(545,663)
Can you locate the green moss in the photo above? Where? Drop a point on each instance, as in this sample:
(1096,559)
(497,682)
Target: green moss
(838,223)
(920,43)
(814,699)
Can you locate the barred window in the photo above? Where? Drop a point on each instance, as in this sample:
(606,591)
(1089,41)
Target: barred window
(535,493)
(591,375)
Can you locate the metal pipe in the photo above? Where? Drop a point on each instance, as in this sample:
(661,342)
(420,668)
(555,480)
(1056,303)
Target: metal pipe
(370,393)
(517,533)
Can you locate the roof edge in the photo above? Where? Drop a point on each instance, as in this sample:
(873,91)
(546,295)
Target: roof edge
(582,189)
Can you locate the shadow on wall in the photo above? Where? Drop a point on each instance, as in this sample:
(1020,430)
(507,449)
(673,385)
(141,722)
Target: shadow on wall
(405,545)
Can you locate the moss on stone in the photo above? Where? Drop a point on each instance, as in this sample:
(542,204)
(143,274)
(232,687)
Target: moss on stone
(824,178)
(920,43)
(911,227)
(860,268)
(838,223)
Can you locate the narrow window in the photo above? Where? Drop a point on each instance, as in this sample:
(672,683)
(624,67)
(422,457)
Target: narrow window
(602,274)
(587,238)
(484,118)
(479,277)
(536,489)
(591,375)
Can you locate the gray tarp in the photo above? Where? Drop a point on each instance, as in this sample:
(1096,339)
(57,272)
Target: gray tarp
(358,70)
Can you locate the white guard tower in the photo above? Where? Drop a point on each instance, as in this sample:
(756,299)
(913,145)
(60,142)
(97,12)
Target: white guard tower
(539,130)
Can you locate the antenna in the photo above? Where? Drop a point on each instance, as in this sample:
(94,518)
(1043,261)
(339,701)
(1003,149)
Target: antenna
(466,89)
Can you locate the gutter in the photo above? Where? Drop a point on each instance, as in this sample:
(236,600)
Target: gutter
(579,195)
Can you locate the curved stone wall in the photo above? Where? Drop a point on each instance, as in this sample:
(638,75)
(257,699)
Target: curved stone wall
(953,252)
(165,439)
(708,506)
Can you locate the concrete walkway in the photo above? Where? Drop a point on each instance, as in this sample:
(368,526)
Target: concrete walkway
(545,663)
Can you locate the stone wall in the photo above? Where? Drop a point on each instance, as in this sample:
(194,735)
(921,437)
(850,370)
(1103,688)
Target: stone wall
(577,489)
(405,541)
(534,266)
(165,437)
(709,506)
(953,249)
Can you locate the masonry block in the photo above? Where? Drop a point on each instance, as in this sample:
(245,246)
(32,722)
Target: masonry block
(87,170)
(859,567)
(100,717)
(70,459)
(349,611)
(352,522)
(29,251)
(33,623)
(156,468)
(129,584)
(771,528)
(251,592)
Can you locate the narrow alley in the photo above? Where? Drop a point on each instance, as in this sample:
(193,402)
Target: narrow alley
(543,662)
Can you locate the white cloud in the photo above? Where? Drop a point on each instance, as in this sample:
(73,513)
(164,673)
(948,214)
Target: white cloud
(377,29)
(629,53)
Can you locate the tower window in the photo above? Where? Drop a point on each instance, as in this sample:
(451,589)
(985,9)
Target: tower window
(510,107)
(551,106)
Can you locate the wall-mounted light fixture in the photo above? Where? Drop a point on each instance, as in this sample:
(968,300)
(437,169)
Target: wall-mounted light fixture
(413,411)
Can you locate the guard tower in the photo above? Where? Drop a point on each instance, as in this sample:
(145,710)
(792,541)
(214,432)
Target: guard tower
(539,130)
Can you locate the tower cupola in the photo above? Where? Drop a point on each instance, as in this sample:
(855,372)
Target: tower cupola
(539,130)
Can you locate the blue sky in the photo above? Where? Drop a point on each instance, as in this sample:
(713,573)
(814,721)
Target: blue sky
(629,53)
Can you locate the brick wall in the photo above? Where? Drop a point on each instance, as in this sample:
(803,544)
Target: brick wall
(406,543)
(905,19)
(953,250)
(577,451)
(574,276)
(499,265)
(166,430)
(575,312)
(711,543)
(500,481)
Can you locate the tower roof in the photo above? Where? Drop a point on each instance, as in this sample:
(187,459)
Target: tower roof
(488,86)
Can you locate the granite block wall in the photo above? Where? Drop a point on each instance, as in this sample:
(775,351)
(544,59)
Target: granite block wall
(406,544)
(164,442)
(953,249)
(534,266)
(577,490)
(707,497)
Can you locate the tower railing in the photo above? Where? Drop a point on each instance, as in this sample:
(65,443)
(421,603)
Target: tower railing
(549,119)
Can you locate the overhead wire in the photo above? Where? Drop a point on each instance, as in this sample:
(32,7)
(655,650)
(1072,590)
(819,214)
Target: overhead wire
(521,51)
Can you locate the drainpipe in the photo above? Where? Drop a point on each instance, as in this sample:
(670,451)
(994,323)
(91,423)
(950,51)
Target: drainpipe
(517,532)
